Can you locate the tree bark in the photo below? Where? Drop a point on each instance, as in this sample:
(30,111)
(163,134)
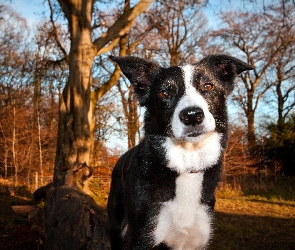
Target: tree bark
(72,219)
(281,119)
(252,144)
(73,144)
(76,114)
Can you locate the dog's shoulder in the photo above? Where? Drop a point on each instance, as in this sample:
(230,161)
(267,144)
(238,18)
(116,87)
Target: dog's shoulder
(125,161)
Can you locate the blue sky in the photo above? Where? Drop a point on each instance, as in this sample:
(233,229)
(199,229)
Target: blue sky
(32,9)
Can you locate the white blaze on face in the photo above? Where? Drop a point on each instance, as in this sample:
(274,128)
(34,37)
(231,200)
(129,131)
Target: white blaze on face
(186,153)
(191,98)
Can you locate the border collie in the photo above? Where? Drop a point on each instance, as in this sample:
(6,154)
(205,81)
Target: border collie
(162,191)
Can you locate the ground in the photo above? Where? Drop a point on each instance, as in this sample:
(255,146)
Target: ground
(249,222)
(244,220)
(16,231)
(18,237)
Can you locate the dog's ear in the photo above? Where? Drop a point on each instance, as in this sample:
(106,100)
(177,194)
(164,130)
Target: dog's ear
(226,68)
(139,72)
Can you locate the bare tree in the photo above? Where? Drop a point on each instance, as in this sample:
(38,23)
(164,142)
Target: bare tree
(281,24)
(131,114)
(250,36)
(13,87)
(76,114)
(80,223)
(172,32)
(177,31)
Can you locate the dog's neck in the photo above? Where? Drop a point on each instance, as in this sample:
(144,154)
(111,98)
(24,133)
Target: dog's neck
(186,156)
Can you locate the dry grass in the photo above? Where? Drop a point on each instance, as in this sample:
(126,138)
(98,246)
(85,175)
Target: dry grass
(250,214)
(255,218)
(15,230)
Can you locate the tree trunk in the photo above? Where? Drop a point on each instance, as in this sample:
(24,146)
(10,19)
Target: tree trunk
(280,97)
(251,133)
(130,105)
(40,149)
(76,115)
(133,120)
(72,219)
(174,56)
(250,114)
(73,146)
(5,160)
(15,164)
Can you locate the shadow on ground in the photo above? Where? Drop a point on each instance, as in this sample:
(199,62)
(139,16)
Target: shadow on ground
(244,232)
(233,231)
(16,232)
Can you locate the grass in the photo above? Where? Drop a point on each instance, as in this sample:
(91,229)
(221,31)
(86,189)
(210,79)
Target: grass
(280,188)
(15,230)
(251,213)
(101,194)
(258,214)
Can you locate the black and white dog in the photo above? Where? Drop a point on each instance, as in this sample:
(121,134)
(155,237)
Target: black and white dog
(162,192)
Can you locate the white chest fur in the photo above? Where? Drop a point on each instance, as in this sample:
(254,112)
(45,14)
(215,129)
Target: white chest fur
(183,223)
(184,156)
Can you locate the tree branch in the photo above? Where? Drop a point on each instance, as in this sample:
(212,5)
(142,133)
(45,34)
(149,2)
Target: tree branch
(121,26)
(55,33)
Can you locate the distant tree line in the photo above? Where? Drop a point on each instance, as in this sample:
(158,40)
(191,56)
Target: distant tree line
(35,83)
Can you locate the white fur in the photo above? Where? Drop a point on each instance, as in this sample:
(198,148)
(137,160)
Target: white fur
(184,223)
(184,156)
(191,98)
(124,231)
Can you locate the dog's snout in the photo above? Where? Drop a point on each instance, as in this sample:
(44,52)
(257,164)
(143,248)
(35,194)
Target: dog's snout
(191,116)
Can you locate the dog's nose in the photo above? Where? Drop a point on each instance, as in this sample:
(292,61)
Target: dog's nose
(191,116)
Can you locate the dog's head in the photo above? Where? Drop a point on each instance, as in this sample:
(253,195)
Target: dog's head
(186,102)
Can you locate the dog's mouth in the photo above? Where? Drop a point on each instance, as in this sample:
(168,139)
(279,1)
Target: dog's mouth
(193,131)
(193,134)
(196,136)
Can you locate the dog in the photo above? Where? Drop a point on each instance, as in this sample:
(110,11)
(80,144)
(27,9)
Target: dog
(162,190)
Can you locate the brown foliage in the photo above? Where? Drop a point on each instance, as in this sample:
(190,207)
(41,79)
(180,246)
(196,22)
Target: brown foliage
(237,159)
(28,108)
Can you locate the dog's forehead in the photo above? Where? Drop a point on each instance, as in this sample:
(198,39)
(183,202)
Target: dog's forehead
(177,74)
(188,72)
(170,73)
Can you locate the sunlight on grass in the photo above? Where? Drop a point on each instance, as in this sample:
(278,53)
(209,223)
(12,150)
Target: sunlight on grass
(253,222)
(256,206)
(101,193)
(255,214)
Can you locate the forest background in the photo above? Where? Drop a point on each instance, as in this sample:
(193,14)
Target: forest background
(34,70)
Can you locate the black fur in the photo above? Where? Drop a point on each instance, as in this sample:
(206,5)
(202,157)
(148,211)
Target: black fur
(141,180)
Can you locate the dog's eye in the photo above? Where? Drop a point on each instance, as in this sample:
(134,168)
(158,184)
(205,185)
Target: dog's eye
(208,86)
(163,94)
